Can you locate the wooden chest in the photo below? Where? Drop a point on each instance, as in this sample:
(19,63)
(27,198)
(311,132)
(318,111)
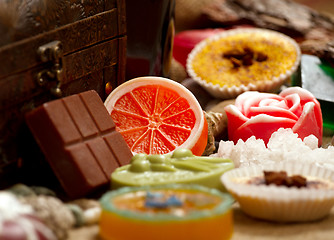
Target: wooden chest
(51,49)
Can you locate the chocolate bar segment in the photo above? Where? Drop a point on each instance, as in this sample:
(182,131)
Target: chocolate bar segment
(79,140)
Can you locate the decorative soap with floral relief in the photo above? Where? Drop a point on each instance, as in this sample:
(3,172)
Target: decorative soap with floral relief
(261,114)
(179,167)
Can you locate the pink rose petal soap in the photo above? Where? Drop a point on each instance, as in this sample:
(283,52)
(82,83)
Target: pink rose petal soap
(260,114)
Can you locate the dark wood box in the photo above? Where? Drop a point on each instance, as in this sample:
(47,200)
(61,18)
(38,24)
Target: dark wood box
(51,49)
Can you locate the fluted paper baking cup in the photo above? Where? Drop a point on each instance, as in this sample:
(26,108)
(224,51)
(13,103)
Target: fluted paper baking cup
(262,83)
(281,203)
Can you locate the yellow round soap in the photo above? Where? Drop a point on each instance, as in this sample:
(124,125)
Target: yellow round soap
(244,59)
(166,212)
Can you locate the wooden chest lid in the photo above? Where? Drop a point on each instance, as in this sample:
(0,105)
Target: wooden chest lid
(20,19)
(77,24)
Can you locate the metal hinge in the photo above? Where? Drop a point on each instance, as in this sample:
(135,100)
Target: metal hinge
(51,52)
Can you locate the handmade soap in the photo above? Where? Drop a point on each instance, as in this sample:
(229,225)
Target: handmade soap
(78,138)
(180,167)
(245,59)
(317,76)
(185,41)
(278,201)
(166,212)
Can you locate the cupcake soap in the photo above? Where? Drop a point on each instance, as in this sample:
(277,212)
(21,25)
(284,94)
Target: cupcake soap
(283,192)
(166,212)
(235,61)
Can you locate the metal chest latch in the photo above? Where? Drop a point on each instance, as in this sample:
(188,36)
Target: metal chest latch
(51,52)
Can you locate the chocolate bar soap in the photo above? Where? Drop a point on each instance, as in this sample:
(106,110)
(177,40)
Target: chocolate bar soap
(79,140)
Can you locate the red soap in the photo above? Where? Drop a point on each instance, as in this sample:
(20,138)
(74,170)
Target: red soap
(79,140)
(185,41)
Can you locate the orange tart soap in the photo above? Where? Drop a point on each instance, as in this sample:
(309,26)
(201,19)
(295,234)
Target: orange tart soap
(179,167)
(235,61)
(166,212)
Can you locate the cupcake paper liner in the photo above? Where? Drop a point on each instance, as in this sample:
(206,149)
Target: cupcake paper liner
(226,92)
(280,203)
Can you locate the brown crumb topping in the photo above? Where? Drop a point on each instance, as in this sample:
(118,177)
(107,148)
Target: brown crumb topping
(244,57)
(282,178)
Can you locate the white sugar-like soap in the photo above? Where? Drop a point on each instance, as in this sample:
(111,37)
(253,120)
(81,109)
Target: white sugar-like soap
(284,145)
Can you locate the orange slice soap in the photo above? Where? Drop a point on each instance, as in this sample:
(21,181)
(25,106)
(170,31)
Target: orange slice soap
(157,115)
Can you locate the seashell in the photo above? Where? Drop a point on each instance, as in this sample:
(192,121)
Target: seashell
(217,121)
(217,124)
(178,72)
(90,210)
(92,215)
(53,212)
(21,190)
(77,213)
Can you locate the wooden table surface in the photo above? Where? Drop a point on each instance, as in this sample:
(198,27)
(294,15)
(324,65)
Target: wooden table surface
(247,228)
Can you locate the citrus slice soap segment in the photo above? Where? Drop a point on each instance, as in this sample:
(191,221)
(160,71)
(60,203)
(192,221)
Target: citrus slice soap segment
(157,115)
(180,167)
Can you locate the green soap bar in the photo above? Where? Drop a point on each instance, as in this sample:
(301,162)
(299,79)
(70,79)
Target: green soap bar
(180,167)
(317,76)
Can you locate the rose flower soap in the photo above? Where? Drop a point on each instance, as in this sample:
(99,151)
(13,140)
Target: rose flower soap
(166,212)
(261,114)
